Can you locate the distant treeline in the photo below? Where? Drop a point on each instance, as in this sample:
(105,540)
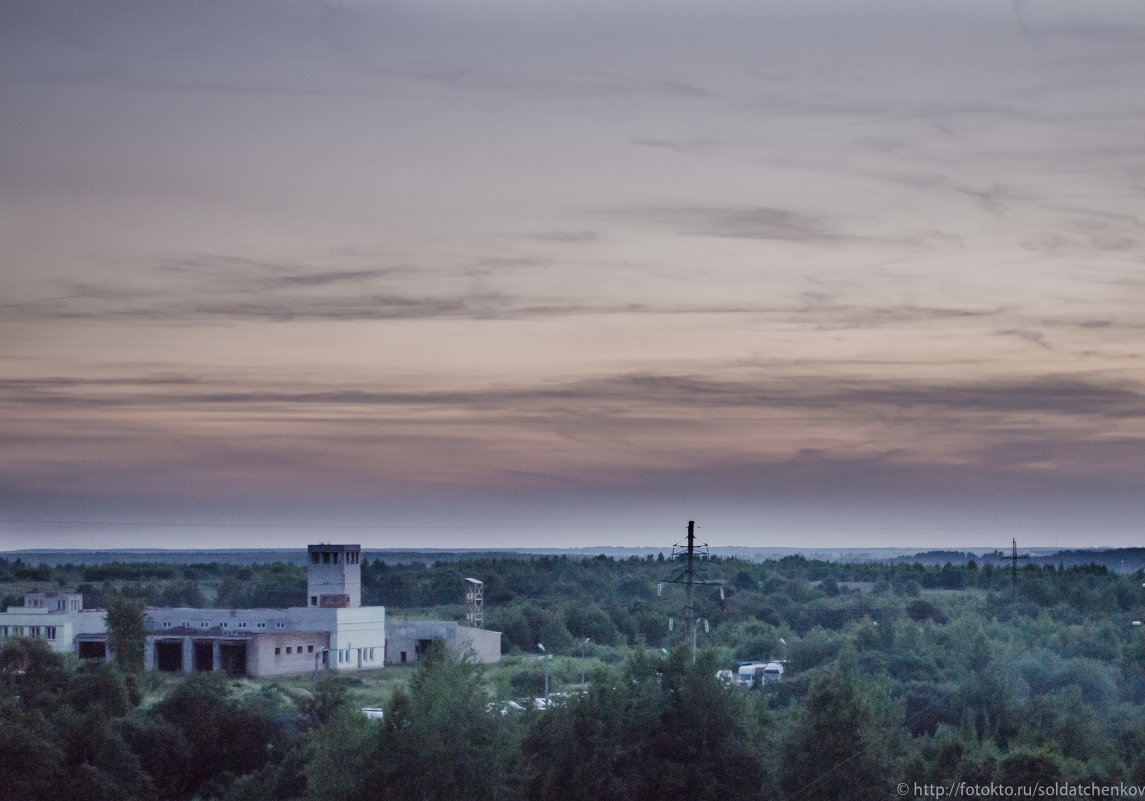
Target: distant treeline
(1121,560)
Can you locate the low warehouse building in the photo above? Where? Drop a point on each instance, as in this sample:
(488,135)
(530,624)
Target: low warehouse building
(408,639)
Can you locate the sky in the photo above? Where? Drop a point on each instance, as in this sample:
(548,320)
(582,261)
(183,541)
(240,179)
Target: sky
(510,274)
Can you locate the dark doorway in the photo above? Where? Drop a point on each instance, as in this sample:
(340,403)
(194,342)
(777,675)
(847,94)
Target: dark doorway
(169,656)
(232,658)
(421,647)
(204,656)
(92,650)
(403,657)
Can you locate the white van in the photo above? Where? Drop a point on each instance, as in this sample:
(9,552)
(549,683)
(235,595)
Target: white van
(750,674)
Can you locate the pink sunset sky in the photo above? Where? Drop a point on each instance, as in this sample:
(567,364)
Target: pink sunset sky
(439,274)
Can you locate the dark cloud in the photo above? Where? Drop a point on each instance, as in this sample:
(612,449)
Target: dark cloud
(600,86)
(566,237)
(818,311)
(243,274)
(689,146)
(332,277)
(683,394)
(768,224)
(1034,337)
(825,313)
(484,306)
(746,222)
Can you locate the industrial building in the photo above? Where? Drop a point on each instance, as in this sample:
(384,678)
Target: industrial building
(333,631)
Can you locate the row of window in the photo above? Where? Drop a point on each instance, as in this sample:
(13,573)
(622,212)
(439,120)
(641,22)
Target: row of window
(62,604)
(205,624)
(343,655)
(294,649)
(331,557)
(367,655)
(35,632)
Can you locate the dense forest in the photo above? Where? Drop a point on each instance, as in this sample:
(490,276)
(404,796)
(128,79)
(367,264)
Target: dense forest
(895,673)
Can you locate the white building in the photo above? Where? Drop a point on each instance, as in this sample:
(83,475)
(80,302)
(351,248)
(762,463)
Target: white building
(333,631)
(55,617)
(334,575)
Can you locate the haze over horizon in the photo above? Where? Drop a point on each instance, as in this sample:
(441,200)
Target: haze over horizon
(509,274)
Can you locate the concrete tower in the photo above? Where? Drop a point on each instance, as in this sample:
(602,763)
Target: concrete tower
(334,576)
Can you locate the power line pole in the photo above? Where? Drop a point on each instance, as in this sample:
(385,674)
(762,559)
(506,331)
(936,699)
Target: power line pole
(687,552)
(690,573)
(1014,565)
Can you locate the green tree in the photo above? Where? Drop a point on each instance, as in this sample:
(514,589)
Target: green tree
(658,729)
(221,738)
(340,757)
(842,744)
(31,762)
(700,749)
(126,633)
(438,741)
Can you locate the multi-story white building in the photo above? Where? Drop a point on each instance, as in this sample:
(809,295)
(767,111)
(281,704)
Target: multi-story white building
(56,617)
(333,631)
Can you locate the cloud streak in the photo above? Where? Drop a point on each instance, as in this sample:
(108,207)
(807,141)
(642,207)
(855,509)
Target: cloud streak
(688,395)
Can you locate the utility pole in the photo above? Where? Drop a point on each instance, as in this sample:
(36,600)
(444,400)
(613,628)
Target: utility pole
(546,658)
(690,572)
(1014,565)
(687,552)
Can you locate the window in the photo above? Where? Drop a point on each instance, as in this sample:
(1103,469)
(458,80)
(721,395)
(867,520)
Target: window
(33,632)
(314,600)
(278,652)
(288,649)
(49,632)
(326,557)
(335,557)
(314,557)
(281,625)
(166,624)
(310,649)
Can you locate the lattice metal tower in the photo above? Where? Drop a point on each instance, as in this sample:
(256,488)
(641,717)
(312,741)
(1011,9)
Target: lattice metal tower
(475,597)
